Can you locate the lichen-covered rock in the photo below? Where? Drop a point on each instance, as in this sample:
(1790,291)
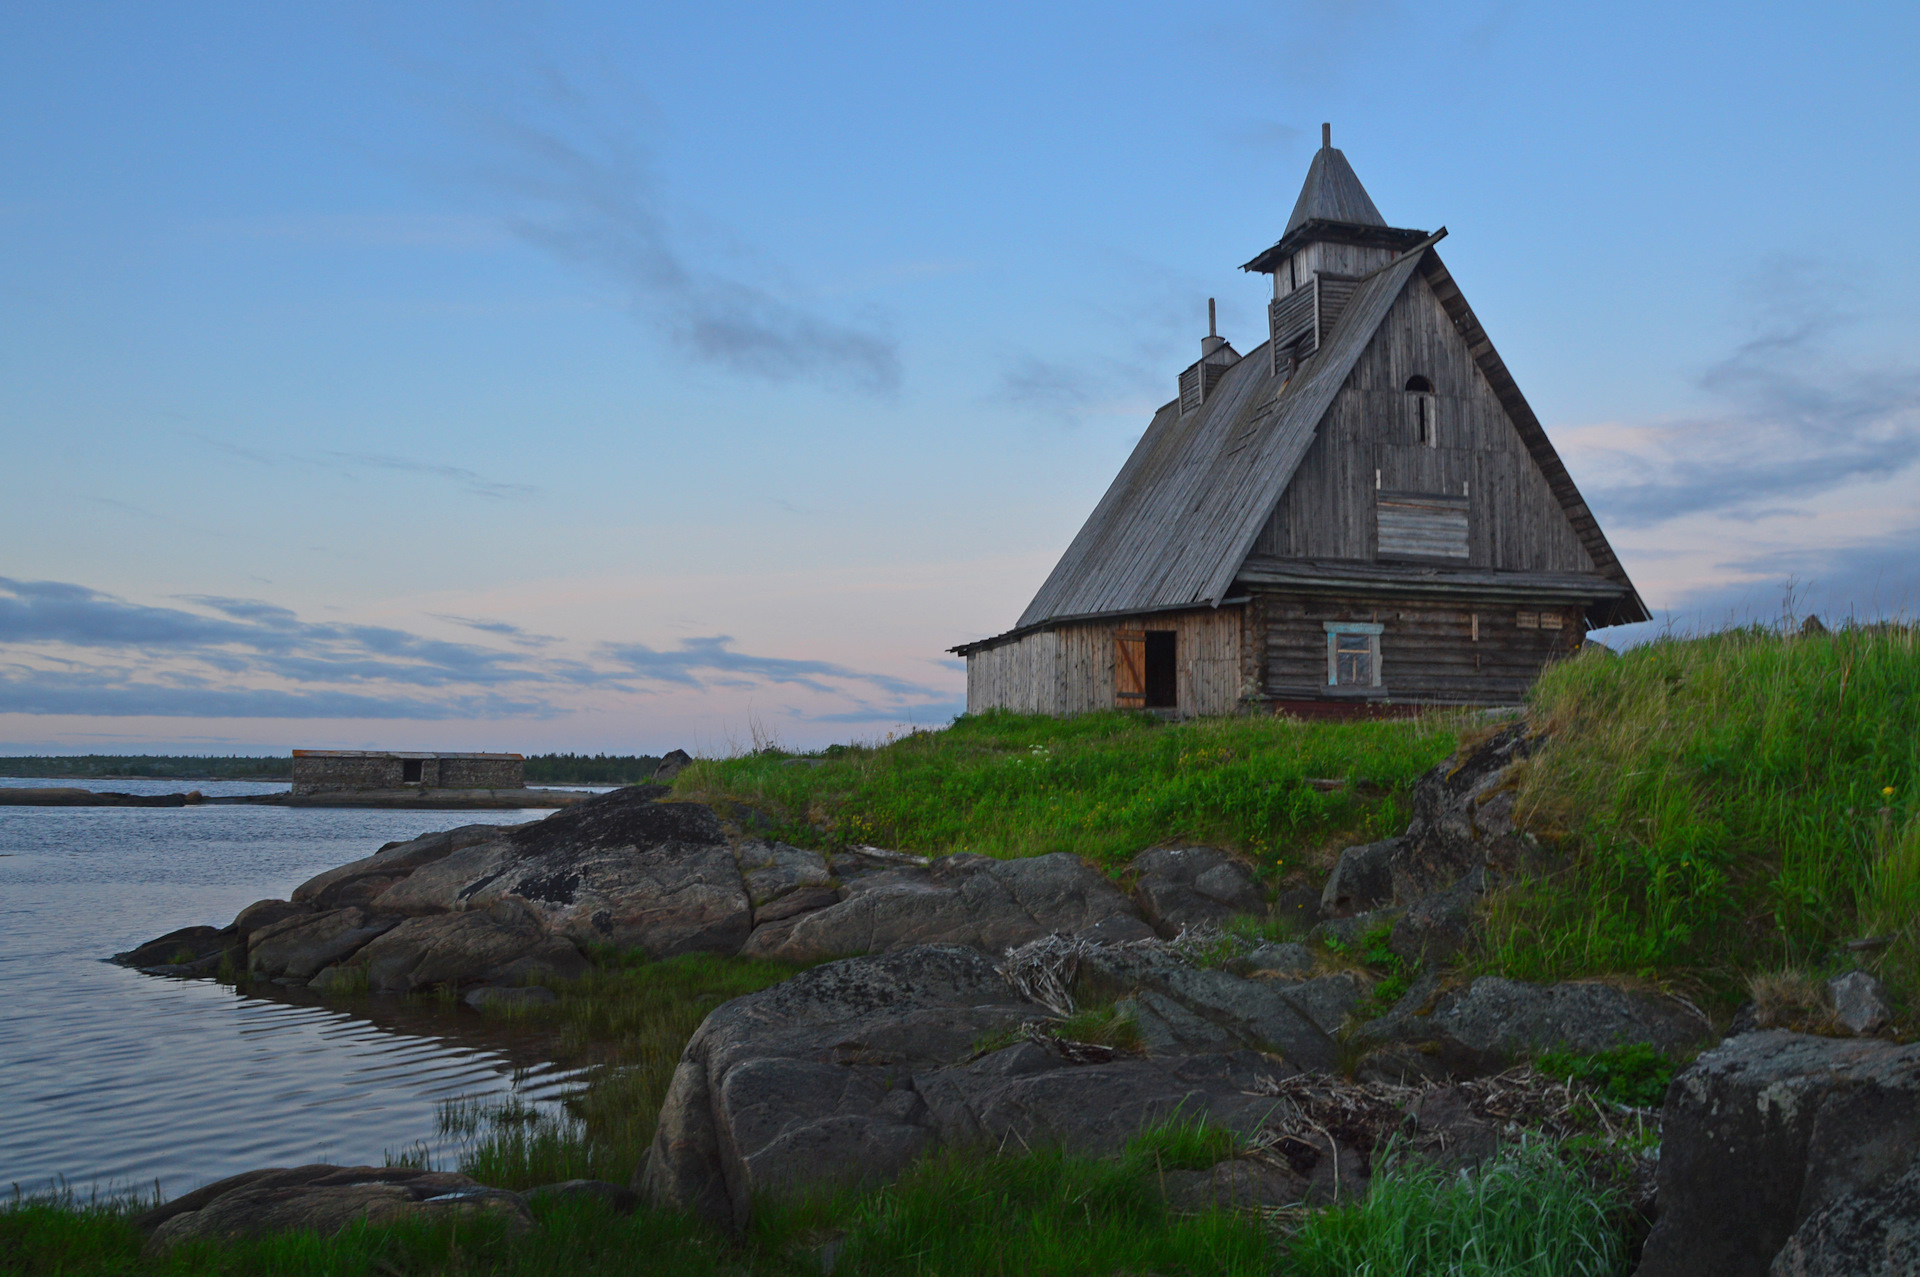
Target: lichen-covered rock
(973,900)
(773,871)
(1183,1009)
(1874,1233)
(1361,880)
(1180,887)
(618,869)
(1767,1137)
(1860,1002)
(324,1199)
(1494,1021)
(1462,819)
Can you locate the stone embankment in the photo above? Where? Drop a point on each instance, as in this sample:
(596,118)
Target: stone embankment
(944,1023)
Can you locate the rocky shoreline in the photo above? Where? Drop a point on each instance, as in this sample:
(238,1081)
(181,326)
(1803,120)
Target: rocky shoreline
(935,1020)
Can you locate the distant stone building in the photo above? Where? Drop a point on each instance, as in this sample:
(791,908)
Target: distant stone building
(323,771)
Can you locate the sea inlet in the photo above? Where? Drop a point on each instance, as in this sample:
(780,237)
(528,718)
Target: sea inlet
(112,1081)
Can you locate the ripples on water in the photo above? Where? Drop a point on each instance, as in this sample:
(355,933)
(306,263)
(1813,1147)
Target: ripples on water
(114,1079)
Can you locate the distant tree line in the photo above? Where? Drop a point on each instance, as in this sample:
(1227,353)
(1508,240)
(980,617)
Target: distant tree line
(595,769)
(542,769)
(159,766)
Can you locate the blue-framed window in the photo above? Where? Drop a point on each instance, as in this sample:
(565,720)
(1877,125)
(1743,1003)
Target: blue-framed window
(1353,654)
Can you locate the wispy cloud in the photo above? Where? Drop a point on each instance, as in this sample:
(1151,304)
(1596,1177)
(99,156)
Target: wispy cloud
(713,656)
(356,462)
(1798,420)
(69,649)
(577,183)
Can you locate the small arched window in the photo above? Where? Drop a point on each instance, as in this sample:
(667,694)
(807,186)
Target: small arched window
(1425,428)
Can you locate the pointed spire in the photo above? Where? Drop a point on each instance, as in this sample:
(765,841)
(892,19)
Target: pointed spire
(1332,192)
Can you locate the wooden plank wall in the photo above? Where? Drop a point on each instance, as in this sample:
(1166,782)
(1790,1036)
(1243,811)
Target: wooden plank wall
(1021,675)
(1428,650)
(1069,670)
(1327,511)
(1340,259)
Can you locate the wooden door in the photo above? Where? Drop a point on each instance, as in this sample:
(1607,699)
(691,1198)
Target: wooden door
(1130,669)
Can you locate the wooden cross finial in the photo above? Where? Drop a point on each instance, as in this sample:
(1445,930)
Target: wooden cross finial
(1326,137)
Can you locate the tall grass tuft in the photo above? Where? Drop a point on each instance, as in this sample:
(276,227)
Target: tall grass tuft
(1524,1215)
(1104,785)
(1722,805)
(629,1020)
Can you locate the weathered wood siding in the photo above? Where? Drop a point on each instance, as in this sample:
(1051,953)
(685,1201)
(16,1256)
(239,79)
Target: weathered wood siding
(1070,669)
(1447,653)
(1021,674)
(1369,442)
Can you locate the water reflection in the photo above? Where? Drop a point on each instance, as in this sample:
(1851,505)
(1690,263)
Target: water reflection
(111,1077)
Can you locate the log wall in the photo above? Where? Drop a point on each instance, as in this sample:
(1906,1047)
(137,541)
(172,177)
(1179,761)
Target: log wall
(1443,653)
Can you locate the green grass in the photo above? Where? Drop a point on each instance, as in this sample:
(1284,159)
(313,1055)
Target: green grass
(1635,1074)
(1525,1215)
(1723,806)
(958,1214)
(1043,1213)
(1104,785)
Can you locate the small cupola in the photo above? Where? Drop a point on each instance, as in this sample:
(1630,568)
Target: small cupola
(1334,239)
(1216,356)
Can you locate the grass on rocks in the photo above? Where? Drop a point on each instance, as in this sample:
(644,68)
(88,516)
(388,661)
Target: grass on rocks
(628,1020)
(1723,807)
(1104,785)
(1527,1214)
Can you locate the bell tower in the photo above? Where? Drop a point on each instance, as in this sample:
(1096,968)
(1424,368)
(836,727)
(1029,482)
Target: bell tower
(1333,240)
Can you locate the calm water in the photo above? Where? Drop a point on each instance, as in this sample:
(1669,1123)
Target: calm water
(116,1079)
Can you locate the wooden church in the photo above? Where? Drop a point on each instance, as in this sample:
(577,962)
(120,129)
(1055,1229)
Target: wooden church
(1360,515)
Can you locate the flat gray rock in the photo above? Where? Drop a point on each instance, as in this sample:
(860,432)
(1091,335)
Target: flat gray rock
(978,901)
(618,869)
(850,1072)
(297,947)
(1495,1021)
(1180,887)
(503,944)
(324,1199)
(1183,1009)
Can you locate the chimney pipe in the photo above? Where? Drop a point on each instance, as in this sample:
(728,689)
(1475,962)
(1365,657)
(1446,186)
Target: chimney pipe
(1326,137)
(1213,340)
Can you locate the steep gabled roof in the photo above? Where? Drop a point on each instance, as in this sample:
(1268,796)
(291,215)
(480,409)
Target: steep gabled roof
(1187,506)
(1184,512)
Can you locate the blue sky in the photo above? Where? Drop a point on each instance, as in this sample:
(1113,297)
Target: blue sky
(625,377)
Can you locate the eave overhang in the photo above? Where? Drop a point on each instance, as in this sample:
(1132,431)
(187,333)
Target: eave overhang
(1319,229)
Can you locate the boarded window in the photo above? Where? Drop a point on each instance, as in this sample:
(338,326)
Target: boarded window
(1353,654)
(1130,669)
(1422,526)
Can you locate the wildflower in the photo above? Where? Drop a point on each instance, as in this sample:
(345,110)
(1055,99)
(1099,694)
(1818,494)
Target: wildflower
(1887,792)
